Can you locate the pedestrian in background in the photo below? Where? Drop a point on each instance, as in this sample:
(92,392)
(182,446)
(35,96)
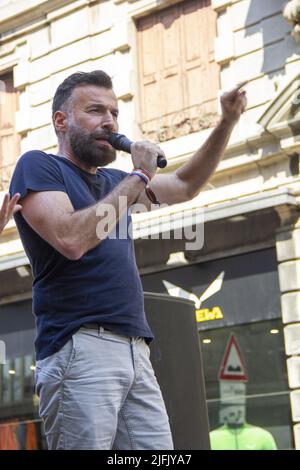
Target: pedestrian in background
(9,207)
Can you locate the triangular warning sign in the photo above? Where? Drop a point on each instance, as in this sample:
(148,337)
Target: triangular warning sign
(233,365)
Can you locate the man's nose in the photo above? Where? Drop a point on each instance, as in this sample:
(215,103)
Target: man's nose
(108,121)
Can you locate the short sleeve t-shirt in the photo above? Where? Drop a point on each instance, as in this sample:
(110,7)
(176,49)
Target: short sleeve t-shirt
(103,286)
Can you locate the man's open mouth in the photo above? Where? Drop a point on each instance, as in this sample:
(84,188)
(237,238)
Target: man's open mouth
(103,141)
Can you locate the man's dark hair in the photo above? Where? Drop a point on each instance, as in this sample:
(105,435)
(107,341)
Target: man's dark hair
(65,89)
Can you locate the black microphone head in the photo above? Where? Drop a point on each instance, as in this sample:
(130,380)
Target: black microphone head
(161,161)
(119,141)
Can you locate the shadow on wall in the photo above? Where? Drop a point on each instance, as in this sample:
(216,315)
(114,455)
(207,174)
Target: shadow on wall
(266,17)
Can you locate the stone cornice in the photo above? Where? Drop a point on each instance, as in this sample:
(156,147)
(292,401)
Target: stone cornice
(21,12)
(139,8)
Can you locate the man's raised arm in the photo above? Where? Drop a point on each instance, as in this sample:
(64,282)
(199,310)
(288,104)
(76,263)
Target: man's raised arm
(188,180)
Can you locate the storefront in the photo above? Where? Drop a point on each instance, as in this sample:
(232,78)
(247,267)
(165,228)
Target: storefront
(20,426)
(242,299)
(234,282)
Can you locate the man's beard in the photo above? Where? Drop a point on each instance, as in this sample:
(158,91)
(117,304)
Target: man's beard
(87,150)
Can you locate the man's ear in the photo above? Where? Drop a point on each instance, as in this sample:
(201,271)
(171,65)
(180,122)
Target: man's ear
(60,121)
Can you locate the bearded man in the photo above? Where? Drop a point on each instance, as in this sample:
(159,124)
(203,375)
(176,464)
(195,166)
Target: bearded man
(94,377)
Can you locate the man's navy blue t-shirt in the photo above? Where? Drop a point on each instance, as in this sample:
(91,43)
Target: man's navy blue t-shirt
(103,286)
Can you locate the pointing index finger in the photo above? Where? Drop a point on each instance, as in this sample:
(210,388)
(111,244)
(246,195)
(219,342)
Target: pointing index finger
(241,85)
(234,92)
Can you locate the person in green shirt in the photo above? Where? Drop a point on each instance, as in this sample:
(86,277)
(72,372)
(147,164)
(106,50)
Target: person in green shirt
(237,434)
(241,437)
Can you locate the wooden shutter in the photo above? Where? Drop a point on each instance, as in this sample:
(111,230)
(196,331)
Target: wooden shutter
(9,139)
(179,78)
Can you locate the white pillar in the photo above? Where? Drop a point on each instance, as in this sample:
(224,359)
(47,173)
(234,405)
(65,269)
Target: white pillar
(288,256)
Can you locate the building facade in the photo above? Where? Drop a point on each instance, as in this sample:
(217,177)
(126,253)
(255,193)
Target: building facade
(235,247)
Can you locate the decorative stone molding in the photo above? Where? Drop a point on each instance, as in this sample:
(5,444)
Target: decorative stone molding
(291,13)
(21,13)
(219,5)
(141,7)
(178,124)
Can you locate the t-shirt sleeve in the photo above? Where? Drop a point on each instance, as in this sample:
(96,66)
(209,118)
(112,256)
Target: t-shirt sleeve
(119,175)
(123,174)
(36,171)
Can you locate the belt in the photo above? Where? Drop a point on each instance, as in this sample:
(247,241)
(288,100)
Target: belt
(95,326)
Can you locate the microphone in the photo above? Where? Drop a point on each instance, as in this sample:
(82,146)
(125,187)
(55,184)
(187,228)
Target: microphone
(121,142)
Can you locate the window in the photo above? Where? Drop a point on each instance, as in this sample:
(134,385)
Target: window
(178,76)
(247,389)
(264,404)
(9,139)
(17,381)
